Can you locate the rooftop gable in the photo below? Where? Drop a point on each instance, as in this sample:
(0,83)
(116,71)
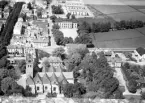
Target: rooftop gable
(54,79)
(29,81)
(45,79)
(37,79)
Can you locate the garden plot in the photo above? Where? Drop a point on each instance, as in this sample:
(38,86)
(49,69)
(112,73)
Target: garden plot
(128,16)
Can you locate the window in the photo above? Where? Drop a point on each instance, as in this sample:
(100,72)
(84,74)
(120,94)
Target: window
(37,88)
(45,87)
(54,88)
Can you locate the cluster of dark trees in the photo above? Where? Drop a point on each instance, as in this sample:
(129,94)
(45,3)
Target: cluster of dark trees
(141,51)
(3,3)
(132,73)
(129,56)
(59,37)
(94,73)
(128,24)
(57,9)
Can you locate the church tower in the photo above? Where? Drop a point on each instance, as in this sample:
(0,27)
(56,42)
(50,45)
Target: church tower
(29,65)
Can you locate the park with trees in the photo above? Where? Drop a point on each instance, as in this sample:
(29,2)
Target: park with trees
(57,9)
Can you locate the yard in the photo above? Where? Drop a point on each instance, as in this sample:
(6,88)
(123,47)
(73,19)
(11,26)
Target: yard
(69,33)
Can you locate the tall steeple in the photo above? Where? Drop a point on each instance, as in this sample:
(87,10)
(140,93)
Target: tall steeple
(29,65)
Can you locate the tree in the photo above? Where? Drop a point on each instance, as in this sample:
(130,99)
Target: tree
(143,95)
(84,39)
(132,86)
(68,15)
(67,40)
(29,6)
(73,16)
(3,3)
(56,26)
(14,74)
(22,66)
(41,54)
(53,18)
(68,90)
(58,52)
(8,85)
(57,9)
(58,36)
(84,27)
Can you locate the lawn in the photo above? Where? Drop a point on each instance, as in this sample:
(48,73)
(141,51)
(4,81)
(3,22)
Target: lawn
(128,16)
(69,33)
(119,39)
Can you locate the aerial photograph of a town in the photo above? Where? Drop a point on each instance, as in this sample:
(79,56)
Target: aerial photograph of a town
(72,51)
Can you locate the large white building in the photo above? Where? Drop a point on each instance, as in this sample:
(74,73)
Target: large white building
(66,23)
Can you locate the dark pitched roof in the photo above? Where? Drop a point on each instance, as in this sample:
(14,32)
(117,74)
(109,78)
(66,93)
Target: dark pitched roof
(37,79)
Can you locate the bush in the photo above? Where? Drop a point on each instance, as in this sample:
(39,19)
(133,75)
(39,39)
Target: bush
(50,95)
(140,50)
(57,9)
(132,86)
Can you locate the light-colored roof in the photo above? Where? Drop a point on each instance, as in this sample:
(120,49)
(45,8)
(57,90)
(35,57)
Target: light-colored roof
(67,75)
(46,79)
(54,79)
(29,81)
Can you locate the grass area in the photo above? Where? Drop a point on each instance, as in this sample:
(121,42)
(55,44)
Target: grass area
(137,6)
(128,16)
(69,33)
(110,9)
(119,39)
(141,30)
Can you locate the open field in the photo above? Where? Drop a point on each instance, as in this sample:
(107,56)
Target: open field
(111,9)
(128,16)
(141,30)
(119,39)
(115,35)
(124,43)
(115,2)
(69,33)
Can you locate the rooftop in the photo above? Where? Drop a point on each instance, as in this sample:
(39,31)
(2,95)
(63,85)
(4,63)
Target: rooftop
(66,20)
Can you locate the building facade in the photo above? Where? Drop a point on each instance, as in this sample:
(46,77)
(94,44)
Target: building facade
(67,24)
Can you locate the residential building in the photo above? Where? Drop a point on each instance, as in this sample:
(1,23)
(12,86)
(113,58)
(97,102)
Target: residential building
(67,23)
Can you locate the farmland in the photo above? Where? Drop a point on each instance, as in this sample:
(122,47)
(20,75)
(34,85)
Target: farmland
(111,9)
(119,39)
(128,16)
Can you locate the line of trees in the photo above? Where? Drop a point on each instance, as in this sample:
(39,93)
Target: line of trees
(59,37)
(57,9)
(9,74)
(122,25)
